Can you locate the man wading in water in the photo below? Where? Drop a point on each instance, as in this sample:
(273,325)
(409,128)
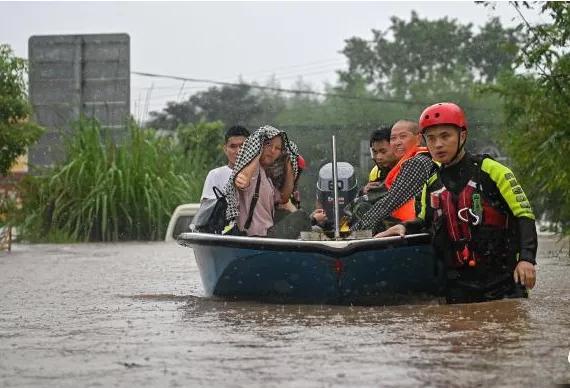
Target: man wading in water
(481,220)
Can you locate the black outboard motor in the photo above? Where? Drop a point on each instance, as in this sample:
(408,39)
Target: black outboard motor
(347,187)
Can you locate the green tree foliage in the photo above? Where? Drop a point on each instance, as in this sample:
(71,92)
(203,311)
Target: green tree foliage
(16,130)
(536,113)
(109,192)
(202,143)
(424,58)
(230,104)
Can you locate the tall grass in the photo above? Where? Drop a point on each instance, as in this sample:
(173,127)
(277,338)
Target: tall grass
(109,192)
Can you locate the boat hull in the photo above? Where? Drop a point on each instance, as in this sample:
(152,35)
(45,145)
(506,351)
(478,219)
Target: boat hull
(369,271)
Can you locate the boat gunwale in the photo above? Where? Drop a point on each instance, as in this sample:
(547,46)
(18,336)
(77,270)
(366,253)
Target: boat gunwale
(338,248)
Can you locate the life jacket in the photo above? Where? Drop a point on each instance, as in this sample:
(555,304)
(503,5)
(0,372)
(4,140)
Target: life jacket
(407,211)
(464,216)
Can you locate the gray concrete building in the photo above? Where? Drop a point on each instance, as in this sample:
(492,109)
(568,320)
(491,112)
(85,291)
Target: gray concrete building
(71,76)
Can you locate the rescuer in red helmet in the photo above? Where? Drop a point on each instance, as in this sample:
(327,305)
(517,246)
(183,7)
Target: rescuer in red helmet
(480,218)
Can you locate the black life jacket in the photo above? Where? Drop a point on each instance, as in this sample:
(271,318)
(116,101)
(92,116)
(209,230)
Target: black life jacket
(471,222)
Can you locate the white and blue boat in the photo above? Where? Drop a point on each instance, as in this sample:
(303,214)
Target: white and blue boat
(366,271)
(339,271)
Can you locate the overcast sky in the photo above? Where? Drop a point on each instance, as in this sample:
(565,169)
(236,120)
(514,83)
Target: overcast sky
(223,40)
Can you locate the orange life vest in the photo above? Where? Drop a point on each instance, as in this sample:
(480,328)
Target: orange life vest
(407,211)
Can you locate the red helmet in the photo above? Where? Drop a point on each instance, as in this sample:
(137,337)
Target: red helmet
(301,162)
(441,114)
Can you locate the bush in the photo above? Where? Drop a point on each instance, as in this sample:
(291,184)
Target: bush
(109,192)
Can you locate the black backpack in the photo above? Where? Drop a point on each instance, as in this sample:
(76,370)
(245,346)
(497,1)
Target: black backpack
(211,216)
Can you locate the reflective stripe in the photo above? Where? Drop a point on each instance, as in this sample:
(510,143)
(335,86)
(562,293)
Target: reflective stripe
(424,199)
(509,188)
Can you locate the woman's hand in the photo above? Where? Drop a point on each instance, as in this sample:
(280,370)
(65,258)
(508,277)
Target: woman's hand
(244,177)
(242,181)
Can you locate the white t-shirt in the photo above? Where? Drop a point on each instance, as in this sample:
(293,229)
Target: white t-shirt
(217,177)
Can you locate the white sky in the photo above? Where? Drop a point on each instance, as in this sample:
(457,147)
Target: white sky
(223,40)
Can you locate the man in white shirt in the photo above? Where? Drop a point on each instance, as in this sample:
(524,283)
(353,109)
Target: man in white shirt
(234,139)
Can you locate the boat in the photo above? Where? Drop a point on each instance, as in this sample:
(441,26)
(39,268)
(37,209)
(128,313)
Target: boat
(348,268)
(367,271)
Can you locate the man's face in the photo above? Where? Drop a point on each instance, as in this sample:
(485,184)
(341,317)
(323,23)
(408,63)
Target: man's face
(382,154)
(402,139)
(272,149)
(442,141)
(232,147)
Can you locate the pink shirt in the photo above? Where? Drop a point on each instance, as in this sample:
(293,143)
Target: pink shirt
(263,213)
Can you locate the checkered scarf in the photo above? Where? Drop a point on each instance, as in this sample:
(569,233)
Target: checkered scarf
(252,147)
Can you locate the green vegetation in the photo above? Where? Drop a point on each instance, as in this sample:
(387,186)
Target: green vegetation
(230,104)
(537,115)
(16,130)
(202,143)
(109,192)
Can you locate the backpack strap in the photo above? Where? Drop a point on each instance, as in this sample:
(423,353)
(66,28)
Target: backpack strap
(478,162)
(217,192)
(253,201)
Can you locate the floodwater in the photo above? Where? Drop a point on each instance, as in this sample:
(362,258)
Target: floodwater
(132,314)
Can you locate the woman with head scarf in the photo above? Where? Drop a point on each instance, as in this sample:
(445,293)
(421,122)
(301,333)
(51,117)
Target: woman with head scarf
(250,192)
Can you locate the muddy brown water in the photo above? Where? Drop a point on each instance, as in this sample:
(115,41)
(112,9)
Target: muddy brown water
(133,314)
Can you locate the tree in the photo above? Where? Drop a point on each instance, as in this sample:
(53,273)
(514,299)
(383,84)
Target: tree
(420,62)
(537,115)
(421,57)
(232,105)
(17,132)
(202,143)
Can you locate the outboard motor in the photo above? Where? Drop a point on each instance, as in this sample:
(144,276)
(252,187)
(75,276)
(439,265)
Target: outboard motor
(347,187)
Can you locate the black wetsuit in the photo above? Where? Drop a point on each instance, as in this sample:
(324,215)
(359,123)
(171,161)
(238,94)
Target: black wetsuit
(499,250)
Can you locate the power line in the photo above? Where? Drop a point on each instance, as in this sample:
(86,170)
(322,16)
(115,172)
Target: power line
(280,90)
(279,77)
(288,69)
(297,91)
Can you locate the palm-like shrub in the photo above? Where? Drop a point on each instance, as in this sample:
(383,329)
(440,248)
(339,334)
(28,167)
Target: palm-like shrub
(109,192)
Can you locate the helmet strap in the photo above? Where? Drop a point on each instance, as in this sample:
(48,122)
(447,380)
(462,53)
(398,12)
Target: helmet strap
(460,147)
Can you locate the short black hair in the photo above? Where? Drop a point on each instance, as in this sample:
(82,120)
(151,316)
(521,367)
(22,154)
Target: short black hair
(380,134)
(236,130)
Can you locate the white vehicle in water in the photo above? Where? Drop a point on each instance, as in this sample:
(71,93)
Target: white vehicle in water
(180,220)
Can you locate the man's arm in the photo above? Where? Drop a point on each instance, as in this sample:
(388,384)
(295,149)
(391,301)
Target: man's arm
(415,172)
(423,216)
(514,196)
(516,199)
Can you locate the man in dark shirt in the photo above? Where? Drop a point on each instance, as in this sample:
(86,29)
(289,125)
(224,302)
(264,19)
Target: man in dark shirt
(481,220)
(383,157)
